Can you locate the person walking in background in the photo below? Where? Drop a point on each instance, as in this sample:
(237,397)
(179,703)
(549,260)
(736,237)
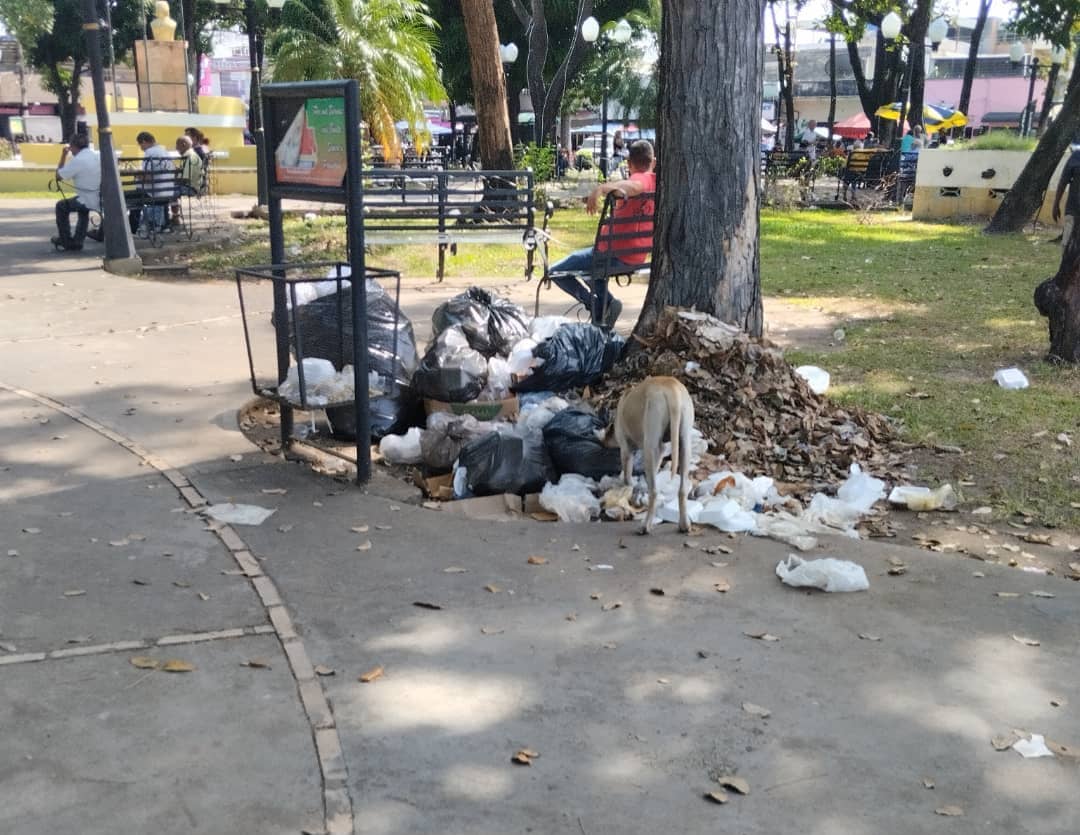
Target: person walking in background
(598,300)
(81,166)
(808,139)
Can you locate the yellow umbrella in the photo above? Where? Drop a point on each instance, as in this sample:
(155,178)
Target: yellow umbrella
(935,116)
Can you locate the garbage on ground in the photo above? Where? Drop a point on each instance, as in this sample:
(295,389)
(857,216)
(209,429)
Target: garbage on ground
(447,434)
(451,370)
(492,325)
(521,358)
(498,463)
(239,514)
(402,449)
(861,491)
(1011,378)
(785,528)
(1033,746)
(575,356)
(544,327)
(537,410)
(828,574)
(571,499)
(318,373)
(727,515)
(917,498)
(573,441)
(816,378)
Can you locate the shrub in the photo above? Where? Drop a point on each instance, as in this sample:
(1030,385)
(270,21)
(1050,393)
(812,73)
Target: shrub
(540,158)
(997,140)
(7,150)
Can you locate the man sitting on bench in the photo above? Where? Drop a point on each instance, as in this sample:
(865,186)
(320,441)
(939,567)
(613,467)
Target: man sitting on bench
(642,179)
(81,166)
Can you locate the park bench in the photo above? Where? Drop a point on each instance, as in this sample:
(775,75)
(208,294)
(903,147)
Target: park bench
(608,244)
(160,184)
(781,165)
(867,168)
(414,206)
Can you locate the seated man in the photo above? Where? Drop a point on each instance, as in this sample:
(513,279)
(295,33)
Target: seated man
(642,179)
(191,174)
(155,181)
(83,171)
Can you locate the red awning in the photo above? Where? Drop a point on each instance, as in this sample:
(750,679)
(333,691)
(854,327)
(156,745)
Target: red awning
(853,127)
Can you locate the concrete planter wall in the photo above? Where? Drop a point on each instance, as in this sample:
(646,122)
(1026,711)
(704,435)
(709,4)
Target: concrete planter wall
(969,191)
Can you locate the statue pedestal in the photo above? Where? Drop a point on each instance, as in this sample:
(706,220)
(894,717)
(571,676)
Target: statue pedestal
(161,72)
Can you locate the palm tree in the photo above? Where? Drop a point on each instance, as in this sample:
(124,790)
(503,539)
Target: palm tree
(386,45)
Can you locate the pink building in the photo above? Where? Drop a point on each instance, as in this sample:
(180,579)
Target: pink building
(1007,94)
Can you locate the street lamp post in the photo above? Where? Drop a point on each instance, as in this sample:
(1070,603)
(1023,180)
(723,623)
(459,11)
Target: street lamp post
(508,54)
(619,33)
(1016,55)
(891,26)
(255,97)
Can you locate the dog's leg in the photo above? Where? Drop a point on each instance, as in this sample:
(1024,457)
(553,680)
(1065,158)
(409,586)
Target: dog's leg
(627,464)
(651,457)
(686,422)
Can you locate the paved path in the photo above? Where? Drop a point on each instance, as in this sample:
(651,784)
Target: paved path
(118,401)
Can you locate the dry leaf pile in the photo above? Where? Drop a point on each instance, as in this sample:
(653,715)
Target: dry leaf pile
(752,406)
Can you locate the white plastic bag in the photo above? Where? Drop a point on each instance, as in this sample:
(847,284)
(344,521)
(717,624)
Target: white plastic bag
(727,515)
(498,381)
(239,514)
(669,511)
(828,512)
(521,356)
(572,499)
(783,527)
(402,449)
(542,327)
(923,498)
(816,378)
(316,371)
(860,490)
(829,574)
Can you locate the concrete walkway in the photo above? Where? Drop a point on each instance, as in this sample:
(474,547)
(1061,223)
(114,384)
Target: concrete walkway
(119,398)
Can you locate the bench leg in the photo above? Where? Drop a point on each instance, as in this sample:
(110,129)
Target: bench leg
(539,286)
(528,265)
(442,263)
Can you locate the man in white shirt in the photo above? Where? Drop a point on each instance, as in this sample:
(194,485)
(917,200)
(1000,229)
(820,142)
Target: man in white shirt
(808,139)
(158,180)
(80,165)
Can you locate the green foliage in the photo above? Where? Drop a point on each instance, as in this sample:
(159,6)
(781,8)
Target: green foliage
(1051,20)
(386,45)
(829,166)
(996,140)
(7,150)
(26,20)
(540,158)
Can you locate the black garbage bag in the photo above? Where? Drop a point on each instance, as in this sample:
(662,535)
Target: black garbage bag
(572,443)
(444,438)
(575,356)
(392,355)
(499,463)
(492,324)
(451,371)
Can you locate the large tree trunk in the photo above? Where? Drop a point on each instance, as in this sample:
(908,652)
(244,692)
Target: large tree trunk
(1026,195)
(1058,299)
(883,88)
(973,56)
(705,252)
(489,92)
(67,95)
(917,27)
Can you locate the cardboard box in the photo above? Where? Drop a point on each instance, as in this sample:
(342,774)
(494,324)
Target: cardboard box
(479,409)
(438,487)
(501,508)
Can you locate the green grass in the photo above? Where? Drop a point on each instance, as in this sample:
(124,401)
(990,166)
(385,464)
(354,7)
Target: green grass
(931,311)
(943,307)
(29,195)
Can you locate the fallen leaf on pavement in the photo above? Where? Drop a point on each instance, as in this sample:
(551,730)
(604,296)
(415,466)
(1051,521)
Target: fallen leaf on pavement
(866,636)
(1028,642)
(595,595)
(181,584)
(490,630)
(607,607)
(1058,701)
(371,675)
(761,636)
(1038,538)
(722,585)
(359,529)
(256,663)
(175,665)
(323,670)
(897,570)
(118,543)
(203,596)
(491,587)
(31,530)
(144,662)
(74,593)
(284,528)
(716,549)
(275,491)
(736,784)
(537,560)
(544,516)
(7,647)
(1004,742)
(717,796)
(455,569)
(949,811)
(659,592)
(1038,593)
(1006,594)
(383,527)
(364,546)
(756,710)
(928,782)
(423,604)
(432,505)
(524,757)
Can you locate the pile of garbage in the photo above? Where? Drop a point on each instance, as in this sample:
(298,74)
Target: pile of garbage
(758,414)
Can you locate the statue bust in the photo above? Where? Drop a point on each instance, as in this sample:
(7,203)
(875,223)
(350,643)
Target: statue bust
(163,26)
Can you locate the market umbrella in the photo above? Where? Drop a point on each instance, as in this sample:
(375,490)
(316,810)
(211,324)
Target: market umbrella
(935,116)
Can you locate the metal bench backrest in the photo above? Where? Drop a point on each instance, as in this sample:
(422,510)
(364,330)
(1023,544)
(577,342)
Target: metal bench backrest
(616,236)
(859,159)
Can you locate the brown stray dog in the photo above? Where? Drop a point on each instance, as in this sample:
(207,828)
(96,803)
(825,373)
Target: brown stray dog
(652,409)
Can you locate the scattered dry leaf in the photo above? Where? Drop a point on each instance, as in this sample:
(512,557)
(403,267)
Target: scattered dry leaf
(360,529)
(455,569)
(1028,642)
(717,796)
(323,670)
(615,604)
(364,546)
(118,543)
(1058,701)
(175,665)
(256,663)
(31,530)
(203,596)
(1038,593)
(424,604)
(524,756)
(371,675)
(74,592)
(928,782)
(867,636)
(659,592)
(595,595)
(490,630)
(383,527)
(722,585)
(949,811)
(144,662)
(736,784)
(756,710)
(761,636)
(1038,538)
(275,491)
(432,505)
(1006,594)
(491,587)
(181,584)
(1003,742)
(537,560)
